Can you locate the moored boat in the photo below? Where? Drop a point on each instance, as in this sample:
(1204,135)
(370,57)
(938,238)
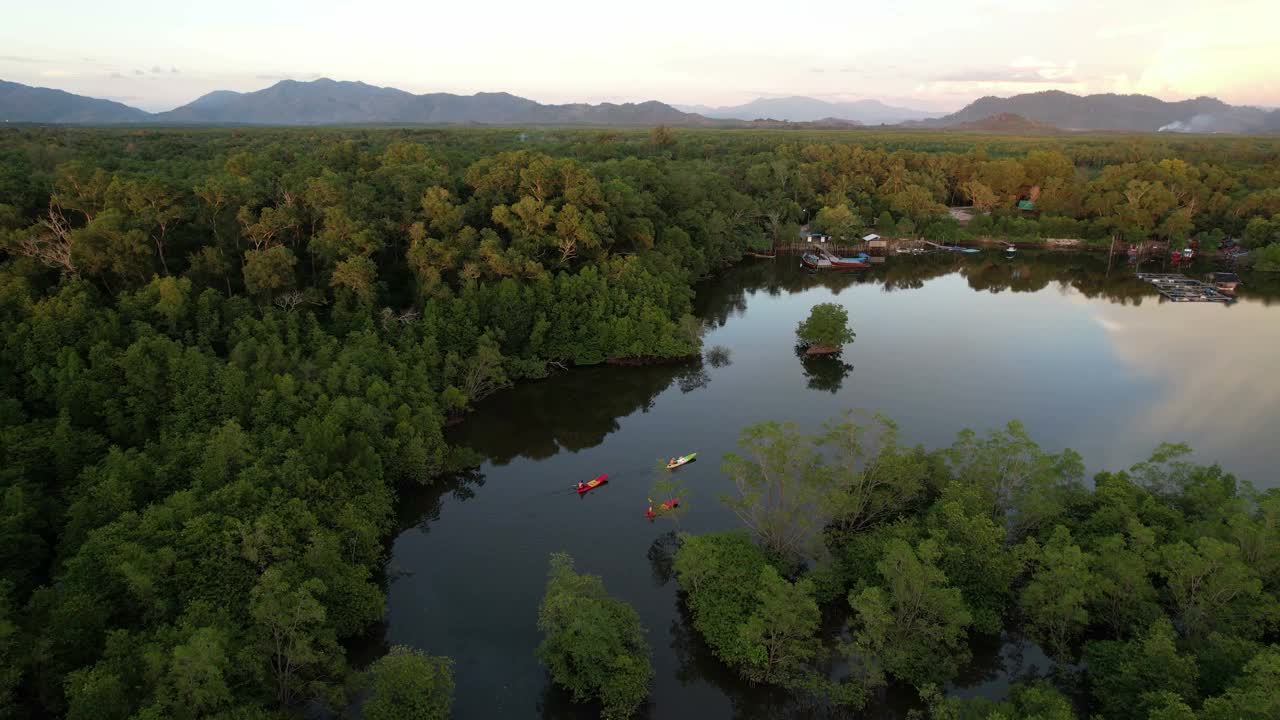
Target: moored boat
(824,260)
(682,460)
(585,487)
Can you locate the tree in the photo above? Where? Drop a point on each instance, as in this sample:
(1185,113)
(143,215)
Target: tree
(783,491)
(1015,475)
(719,572)
(980,196)
(781,635)
(666,488)
(1126,677)
(268,271)
(196,685)
(593,644)
(1029,701)
(913,625)
(1056,599)
(407,683)
(1211,588)
(1253,696)
(839,221)
(826,330)
(1121,567)
(662,137)
(289,619)
(872,483)
(974,555)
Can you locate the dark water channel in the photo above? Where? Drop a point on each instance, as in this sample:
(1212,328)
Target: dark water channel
(1085,358)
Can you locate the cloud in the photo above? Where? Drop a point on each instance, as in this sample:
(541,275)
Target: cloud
(116,76)
(173,71)
(837,69)
(19,59)
(156,69)
(139,72)
(1025,69)
(994,75)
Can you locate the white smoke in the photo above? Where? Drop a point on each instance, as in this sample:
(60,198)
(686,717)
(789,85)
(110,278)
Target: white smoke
(1203,123)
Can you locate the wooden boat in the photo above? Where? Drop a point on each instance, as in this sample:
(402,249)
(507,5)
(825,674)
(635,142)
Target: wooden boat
(827,261)
(814,262)
(673,502)
(682,460)
(592,484)
(861,260)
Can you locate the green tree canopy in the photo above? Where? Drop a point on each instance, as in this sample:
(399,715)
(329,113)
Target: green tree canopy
(593,645)
(826,328)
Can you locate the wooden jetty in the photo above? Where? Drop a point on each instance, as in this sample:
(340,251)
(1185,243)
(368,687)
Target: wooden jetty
(950,248)
(1180,288)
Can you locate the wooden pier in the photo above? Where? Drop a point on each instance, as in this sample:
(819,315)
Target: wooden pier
(1180,288)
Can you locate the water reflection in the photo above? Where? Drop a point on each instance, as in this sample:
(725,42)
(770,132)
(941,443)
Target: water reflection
(570,411)
(824,372)
(662,555)
(1210,362)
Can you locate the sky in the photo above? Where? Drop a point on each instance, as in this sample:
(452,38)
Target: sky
(926,54)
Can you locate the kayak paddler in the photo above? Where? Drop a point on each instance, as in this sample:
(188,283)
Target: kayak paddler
(581,485)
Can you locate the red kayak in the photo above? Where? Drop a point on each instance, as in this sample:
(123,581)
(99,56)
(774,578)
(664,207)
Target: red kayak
(592,484)
(673,502)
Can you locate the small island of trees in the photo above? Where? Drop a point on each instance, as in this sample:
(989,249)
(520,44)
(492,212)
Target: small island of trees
(826,330)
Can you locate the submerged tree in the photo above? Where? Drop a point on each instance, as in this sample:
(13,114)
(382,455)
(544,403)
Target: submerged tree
(668,496)
(913,624)
(1056,600)
(826,330)
(593,645)
(781,635)
(783,490)
(409,684)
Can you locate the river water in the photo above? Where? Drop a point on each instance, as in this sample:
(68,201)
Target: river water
(1085,357)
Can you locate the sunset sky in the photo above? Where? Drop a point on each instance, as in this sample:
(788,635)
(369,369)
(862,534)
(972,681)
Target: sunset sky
(928,54)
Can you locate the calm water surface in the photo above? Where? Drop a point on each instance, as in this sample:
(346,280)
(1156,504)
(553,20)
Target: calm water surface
(1086,359)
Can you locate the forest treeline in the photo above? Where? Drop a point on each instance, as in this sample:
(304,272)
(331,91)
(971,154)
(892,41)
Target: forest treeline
(223,351)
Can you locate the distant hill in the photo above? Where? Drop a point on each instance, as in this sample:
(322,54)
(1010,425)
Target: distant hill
(1006,123)
(23,103)
(330,102)
(807,109)
(1134,113)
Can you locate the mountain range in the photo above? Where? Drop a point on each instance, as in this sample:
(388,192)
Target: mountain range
(23,103)
(330,102)
(1134,113)
(807,109)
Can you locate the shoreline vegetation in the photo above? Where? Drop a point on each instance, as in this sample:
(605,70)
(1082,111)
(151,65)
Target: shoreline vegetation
(1155,590)
(225,350)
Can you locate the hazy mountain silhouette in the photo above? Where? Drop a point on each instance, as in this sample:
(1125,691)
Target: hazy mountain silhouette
(330,102)
(1140,113)
(23,103)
